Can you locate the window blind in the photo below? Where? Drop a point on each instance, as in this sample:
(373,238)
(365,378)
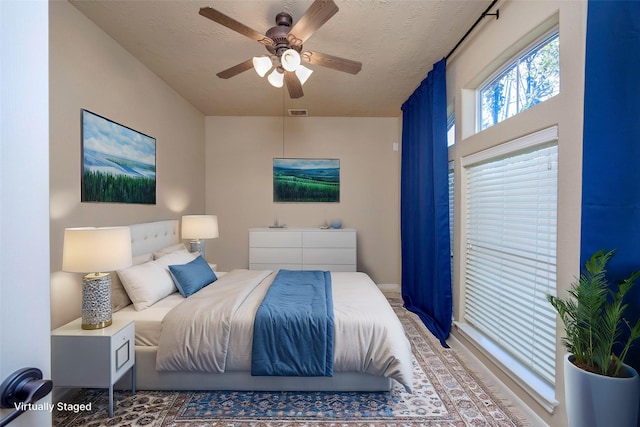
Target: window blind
(451,211)
(510,237)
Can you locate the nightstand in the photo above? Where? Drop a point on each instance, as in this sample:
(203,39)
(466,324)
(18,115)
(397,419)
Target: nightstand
(93,358)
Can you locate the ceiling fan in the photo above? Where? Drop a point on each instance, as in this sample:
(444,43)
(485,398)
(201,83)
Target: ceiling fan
(284,44)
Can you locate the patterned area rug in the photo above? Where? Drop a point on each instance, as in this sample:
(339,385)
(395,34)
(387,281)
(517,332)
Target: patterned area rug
(445,394)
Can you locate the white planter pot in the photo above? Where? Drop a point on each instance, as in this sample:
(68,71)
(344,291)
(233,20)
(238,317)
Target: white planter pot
(594,400)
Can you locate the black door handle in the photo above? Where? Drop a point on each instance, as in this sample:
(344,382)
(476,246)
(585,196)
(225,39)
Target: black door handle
(22,389)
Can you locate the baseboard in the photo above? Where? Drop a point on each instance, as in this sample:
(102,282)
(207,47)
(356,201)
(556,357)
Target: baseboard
(389,287)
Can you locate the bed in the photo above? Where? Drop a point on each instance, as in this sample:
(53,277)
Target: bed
(371,351)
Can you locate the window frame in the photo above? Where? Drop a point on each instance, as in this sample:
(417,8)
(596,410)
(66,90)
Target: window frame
(512,63)
(541,390)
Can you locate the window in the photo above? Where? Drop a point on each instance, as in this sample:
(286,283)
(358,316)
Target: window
(533,77)
(510,257)
(451,130)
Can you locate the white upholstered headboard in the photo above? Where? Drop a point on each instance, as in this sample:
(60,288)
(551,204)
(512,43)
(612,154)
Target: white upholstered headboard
(66,288)
(153,236)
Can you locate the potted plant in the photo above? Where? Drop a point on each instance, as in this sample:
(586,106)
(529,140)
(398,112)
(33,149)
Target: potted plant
(600,389)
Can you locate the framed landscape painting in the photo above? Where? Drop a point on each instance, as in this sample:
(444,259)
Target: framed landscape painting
(118,163)
(306,180)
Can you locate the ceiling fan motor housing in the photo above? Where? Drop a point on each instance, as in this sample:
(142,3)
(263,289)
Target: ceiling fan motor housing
(280,36)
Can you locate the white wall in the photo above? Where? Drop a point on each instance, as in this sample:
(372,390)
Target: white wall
(24,194)
(492,43)
(239,183)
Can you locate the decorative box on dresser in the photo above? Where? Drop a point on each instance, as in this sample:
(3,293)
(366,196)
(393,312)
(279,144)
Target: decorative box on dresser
(93,358)
(302,249)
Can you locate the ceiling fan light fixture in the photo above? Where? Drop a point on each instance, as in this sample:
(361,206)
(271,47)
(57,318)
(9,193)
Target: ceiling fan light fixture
(262,64)
(284,42)
(276,78)
(290,60)
(303,73)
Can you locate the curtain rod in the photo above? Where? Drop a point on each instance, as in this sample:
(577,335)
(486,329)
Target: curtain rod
(484,14)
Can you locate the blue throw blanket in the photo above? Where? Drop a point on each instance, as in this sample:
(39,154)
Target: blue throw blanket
(293,329)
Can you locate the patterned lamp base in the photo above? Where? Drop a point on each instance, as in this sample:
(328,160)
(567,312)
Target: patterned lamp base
(96,301)
(197,246)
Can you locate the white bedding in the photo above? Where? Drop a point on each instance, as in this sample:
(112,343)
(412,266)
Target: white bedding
(369,337)
(149,320)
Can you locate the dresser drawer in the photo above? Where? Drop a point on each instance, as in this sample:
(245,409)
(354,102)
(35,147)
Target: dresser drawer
(328,256)
(275,255)
(329,239)
(331,267)
(275,239)
(275,266)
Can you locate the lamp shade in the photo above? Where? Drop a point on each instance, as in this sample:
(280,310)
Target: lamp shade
(276,78)
(199,226)
(303,73)
(262,64)
(96,249)
(290,60)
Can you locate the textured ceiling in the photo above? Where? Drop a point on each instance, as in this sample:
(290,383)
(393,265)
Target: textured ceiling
(397,42)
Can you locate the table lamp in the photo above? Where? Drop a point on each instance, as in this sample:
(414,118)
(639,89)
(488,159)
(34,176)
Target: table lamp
(197,227)
(99,250)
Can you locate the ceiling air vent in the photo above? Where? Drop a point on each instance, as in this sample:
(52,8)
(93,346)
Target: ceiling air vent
(298,112)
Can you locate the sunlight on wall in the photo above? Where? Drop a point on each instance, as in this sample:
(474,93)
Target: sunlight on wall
(176,199)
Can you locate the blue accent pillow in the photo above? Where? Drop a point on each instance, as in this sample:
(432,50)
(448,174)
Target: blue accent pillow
(193,276)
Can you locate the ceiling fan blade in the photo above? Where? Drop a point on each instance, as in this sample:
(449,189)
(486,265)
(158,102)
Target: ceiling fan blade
(318,13)
(330,61)
(222,19)
(236,69)
(293,84)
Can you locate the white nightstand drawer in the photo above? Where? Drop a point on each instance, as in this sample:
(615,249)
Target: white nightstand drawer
(122,349)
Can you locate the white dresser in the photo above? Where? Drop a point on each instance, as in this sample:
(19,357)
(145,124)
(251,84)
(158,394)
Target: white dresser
(302,249)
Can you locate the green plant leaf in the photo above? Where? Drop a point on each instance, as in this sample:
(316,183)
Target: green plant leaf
(593,317)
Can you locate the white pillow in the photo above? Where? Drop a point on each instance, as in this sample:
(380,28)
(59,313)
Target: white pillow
(119,297)
(148,283)
(177,257)
(141,259)
(173,248)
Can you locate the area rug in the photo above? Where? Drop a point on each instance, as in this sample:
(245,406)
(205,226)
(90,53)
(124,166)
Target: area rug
(445,394)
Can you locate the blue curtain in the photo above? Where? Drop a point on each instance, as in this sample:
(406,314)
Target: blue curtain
(424,205)
(611,143)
